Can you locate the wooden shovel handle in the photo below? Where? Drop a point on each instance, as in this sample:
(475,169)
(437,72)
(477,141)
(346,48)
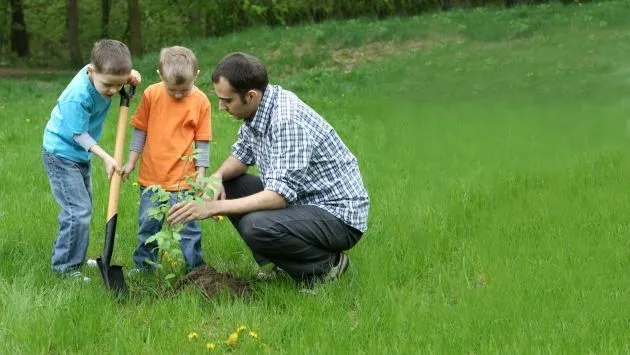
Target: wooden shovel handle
(114,186)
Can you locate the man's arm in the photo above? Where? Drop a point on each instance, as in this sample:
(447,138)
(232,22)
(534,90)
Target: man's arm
(231,168)
(184,212)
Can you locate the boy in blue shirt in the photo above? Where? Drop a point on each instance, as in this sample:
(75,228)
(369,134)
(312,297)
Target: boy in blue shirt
(70,139)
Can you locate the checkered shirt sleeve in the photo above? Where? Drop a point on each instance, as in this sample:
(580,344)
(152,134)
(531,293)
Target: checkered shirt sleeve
(241,149)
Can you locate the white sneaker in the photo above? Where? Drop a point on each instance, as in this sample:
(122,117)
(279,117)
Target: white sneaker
(92,263)
(269,275)
(78,275)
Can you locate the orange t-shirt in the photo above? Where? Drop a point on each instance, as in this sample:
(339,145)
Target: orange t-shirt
(172,126)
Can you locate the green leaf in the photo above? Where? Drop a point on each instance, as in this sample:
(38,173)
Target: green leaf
(148,261)
(157,236)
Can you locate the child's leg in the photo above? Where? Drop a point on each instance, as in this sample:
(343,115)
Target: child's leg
(191,241)
(147,227)
(71,185)
(191,244)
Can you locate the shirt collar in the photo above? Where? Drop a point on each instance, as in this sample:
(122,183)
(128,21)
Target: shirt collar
(261,119)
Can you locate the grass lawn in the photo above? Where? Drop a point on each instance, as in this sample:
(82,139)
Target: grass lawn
(494,145)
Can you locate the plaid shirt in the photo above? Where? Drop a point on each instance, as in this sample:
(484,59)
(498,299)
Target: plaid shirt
(301,157)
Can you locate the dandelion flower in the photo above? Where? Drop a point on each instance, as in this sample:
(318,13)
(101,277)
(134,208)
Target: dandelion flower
(253,335)
(174,264)
(220,218)
(135,184)
(232,339)
(193,336)
(241,328)
(210,346)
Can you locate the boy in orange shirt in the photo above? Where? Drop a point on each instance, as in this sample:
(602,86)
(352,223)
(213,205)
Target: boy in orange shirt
(171,115)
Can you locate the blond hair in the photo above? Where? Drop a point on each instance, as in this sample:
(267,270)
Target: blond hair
(178,64)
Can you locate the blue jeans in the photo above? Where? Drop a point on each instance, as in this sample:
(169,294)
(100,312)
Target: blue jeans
(71,184)
(190,242)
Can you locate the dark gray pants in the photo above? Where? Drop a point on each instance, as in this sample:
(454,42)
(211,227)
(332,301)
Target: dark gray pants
(304,241)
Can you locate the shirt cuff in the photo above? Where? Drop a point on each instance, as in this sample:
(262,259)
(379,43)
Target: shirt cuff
(84,140)
(137,140)
(203,154)
(282,188)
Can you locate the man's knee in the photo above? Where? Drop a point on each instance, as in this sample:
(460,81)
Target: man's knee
(254,226)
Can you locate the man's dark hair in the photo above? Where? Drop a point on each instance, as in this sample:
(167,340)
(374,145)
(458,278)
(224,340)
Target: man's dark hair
(111,57)
(243,71)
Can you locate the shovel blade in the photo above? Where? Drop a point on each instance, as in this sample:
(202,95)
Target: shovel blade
(113,277)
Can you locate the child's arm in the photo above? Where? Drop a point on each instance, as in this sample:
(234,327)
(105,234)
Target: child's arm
(88,143)
(111,165)
(137,145)
(203,158)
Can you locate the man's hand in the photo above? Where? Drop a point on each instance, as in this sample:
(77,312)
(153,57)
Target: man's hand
(134,78)
(111,166)
(219,190)
(184,212)
(127,169)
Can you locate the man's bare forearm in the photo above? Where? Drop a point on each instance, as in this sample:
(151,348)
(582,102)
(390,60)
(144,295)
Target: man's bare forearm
(231,168)
(264,200)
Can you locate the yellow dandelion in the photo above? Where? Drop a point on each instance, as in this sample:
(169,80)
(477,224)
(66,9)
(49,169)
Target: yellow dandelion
(135,184)
(193,336)
(166,254)
(253,335)
(174,264)
(232,339)
(210,346)
(220,218)
(241,329)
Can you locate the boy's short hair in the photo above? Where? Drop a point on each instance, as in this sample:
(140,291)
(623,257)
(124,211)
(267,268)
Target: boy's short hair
(178,64)
(243,71)
(111,57)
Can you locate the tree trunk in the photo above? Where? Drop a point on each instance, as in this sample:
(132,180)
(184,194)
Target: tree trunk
(19,35)
(105,7)
(135,24)
(73,33)
(5,16)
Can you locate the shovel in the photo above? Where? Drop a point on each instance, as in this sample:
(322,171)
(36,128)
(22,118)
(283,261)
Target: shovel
(113,276)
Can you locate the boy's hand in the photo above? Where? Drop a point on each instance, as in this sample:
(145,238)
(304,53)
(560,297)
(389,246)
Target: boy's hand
(127,169)
(111,166)
(134,78)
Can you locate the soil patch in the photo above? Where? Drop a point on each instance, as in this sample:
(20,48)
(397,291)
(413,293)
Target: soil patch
(211,282)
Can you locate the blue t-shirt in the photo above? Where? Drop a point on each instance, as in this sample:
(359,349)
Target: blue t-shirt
(79,109)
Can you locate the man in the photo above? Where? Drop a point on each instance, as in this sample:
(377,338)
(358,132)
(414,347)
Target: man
(309,204)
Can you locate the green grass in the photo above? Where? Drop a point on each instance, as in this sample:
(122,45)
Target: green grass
(494,147)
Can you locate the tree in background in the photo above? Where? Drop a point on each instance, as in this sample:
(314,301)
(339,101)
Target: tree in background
(135,23)
(19,35)
(105,7)
(73,33)
(6,13)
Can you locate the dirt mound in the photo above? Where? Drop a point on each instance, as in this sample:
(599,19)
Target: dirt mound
(211,282)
